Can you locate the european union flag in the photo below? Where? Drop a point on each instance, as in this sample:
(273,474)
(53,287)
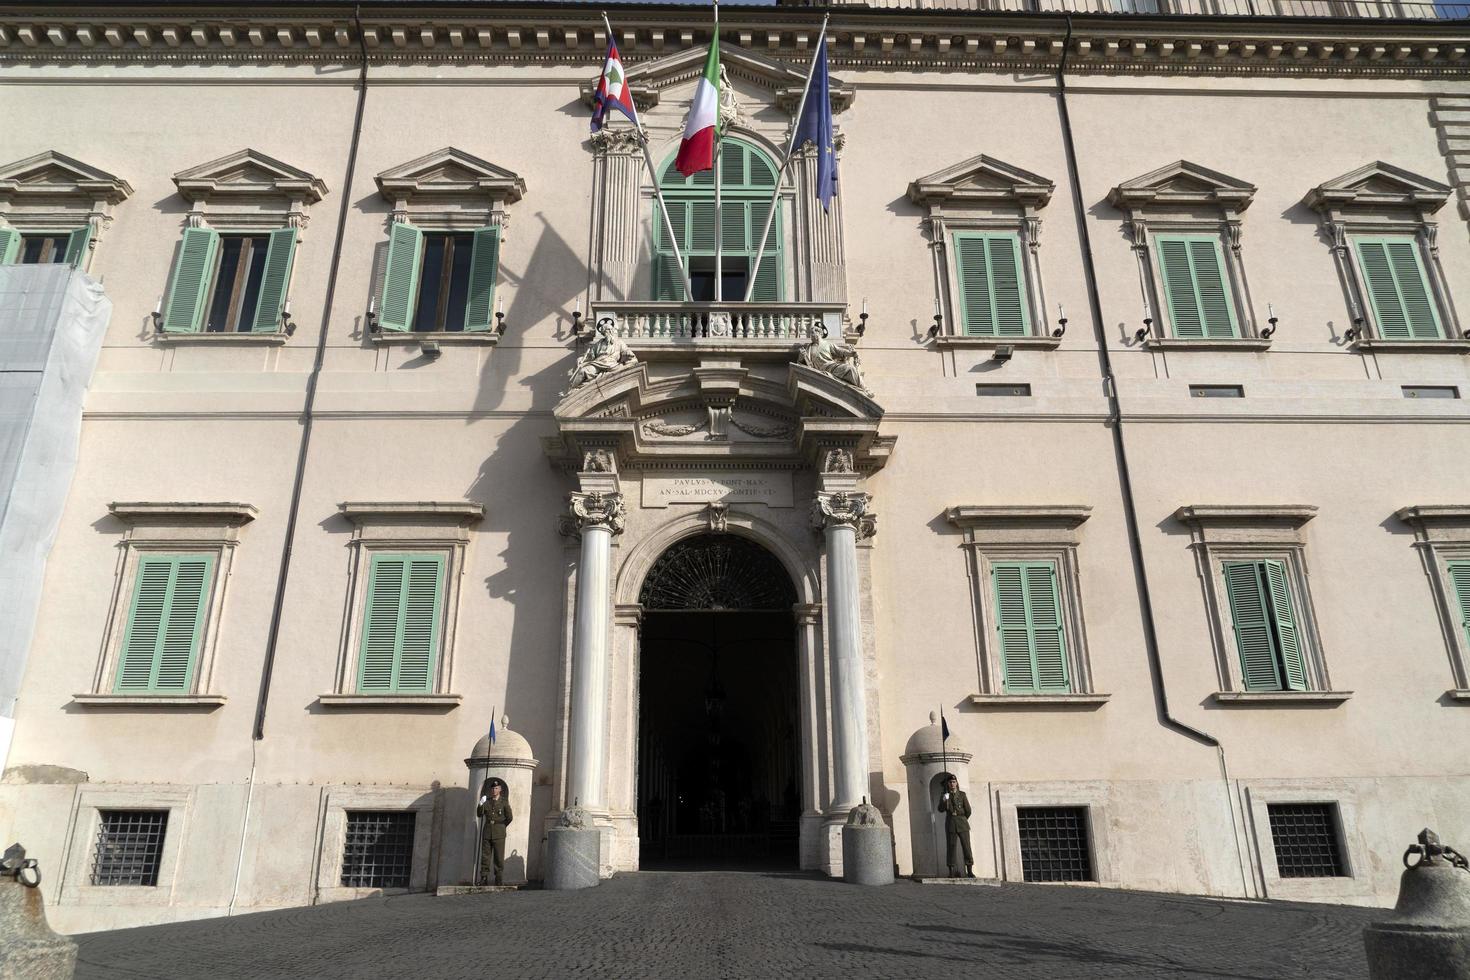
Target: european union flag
(815,124)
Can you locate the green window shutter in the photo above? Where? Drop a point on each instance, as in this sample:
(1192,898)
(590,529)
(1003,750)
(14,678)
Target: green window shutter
(279,256)
(701,236)
(1288,637)
(992,285)
(9,245)
(484,267)
(191,280)
(1460,582)
(1398,289)
(165,624)
(1028,619)
(1250,612)
(401,278)
(400,636)
(1195,286)
(76,246)
(768,279)
(667,284)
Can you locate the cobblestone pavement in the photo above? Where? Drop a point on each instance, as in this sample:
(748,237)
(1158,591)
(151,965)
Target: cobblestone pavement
(718,924)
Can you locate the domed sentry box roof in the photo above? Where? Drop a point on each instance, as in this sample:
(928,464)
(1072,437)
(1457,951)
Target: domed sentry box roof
(718,572)
(929,742)
(509,745)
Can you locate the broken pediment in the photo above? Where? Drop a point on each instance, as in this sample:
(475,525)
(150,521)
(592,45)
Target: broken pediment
(54,174)
(1183,185)
(1380,185)
(249,173)
(785,82)
(450,171)
(717,414)
(982,179)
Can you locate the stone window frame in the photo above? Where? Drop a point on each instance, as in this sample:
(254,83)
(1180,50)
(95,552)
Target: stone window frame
(81,841)
(1094,797)
(983,194)
(435,527)
(1185,198)
(253,207)
(1026,533)
(1361,204)
(418,194)
(76,195)
(154,528)
(1233,532)
(1340,793)
(332,839)
(1442,536)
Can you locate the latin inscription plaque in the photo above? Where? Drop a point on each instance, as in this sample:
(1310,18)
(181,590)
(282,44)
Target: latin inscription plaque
(739,487)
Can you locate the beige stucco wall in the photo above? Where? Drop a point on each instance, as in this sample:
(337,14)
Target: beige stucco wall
(1320,425)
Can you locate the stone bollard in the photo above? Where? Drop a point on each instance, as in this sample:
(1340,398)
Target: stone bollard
(572,851)
(867,851)
(29,950)
(1428,935)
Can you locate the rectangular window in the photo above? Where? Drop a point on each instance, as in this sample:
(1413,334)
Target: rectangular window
(1305,839)
(400,632)
(165,624)
(1266,627)
(1028,622)
(230,283)
(378,852)
(694,230)
(1398,288)
(1430,391)
(43,249)
(237,281)
(439,281)
(1216,391)
(1054,843)
(129,847)
(444,281)
(1196,287)
(1001,391)
(991,285)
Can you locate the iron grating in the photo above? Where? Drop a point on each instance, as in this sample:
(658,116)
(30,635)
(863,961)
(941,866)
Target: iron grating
(1304,836)
(1054,843)
(717,572)
(129,847)
(378,852)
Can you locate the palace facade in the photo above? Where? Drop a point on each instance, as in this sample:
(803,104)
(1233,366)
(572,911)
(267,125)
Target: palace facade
(1151,479)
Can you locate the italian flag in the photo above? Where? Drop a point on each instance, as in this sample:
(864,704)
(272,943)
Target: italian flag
(697,151)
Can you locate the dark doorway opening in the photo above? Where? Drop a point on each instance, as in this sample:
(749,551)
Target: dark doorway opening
(719,770)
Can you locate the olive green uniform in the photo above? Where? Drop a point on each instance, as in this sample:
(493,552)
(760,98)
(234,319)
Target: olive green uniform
(497,816)
(956,812)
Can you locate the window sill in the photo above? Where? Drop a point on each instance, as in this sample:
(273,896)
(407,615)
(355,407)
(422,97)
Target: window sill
(1040,702)
(206,702)
(1450,346)
(1458,694)
(247,339)
(439,701)
(1310,698)
(1207,343)
(960,342)
(462,338)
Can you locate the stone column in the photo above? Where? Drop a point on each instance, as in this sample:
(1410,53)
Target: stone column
(596,515)
(843,517)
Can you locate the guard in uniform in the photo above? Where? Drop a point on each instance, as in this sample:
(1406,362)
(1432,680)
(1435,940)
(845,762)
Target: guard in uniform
(494,810)
(955,806)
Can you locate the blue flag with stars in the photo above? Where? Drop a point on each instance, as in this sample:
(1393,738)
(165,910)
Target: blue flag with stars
(815,124)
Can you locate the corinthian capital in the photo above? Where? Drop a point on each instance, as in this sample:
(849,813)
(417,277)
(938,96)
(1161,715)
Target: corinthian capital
(847,508)
(595,509)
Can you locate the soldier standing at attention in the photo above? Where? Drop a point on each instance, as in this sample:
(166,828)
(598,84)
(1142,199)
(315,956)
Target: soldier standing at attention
(955,806)
(495,809)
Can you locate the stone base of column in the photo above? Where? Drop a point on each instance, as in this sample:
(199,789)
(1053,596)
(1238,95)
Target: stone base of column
(30,950)
(867,848)
(573,852)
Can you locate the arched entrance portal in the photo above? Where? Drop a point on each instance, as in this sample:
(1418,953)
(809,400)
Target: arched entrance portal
(719,773)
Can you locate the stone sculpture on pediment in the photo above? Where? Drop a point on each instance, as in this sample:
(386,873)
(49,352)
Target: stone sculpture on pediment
(835,360)
(605,353)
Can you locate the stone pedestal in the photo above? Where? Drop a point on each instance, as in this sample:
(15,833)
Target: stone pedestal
(571,858)
(1428,935)
(867,848)
(29,950)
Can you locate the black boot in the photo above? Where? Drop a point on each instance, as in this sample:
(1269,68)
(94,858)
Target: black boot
(969,873)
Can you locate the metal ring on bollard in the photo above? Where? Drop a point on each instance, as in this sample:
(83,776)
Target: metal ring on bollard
(34,869)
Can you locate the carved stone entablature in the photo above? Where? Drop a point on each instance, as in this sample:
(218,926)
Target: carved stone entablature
(595,509)
(249,189)
(1381,187)
(1183,186)
(784,80)
(720,413)
(984,182)
(450,181)
(845,508)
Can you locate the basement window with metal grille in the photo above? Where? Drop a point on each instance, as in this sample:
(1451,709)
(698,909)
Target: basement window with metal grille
(129,847)
(1054,843)
(379,849)
(1304,836)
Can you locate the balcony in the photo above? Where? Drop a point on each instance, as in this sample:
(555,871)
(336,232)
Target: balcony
(663,329)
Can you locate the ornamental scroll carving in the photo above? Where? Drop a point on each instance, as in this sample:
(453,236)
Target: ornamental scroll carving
(595,509)
(846,508)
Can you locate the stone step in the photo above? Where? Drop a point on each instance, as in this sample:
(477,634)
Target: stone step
(971,882)
(473,889)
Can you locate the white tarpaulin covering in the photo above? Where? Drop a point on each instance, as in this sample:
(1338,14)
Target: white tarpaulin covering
(52,319)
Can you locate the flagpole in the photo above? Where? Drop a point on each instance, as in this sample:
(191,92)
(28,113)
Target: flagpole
(719,214)
(776,192)
(658,193)
(480,818)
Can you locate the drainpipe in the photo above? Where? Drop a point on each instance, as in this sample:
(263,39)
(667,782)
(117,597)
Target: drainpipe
(307,418)
(1120,455)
